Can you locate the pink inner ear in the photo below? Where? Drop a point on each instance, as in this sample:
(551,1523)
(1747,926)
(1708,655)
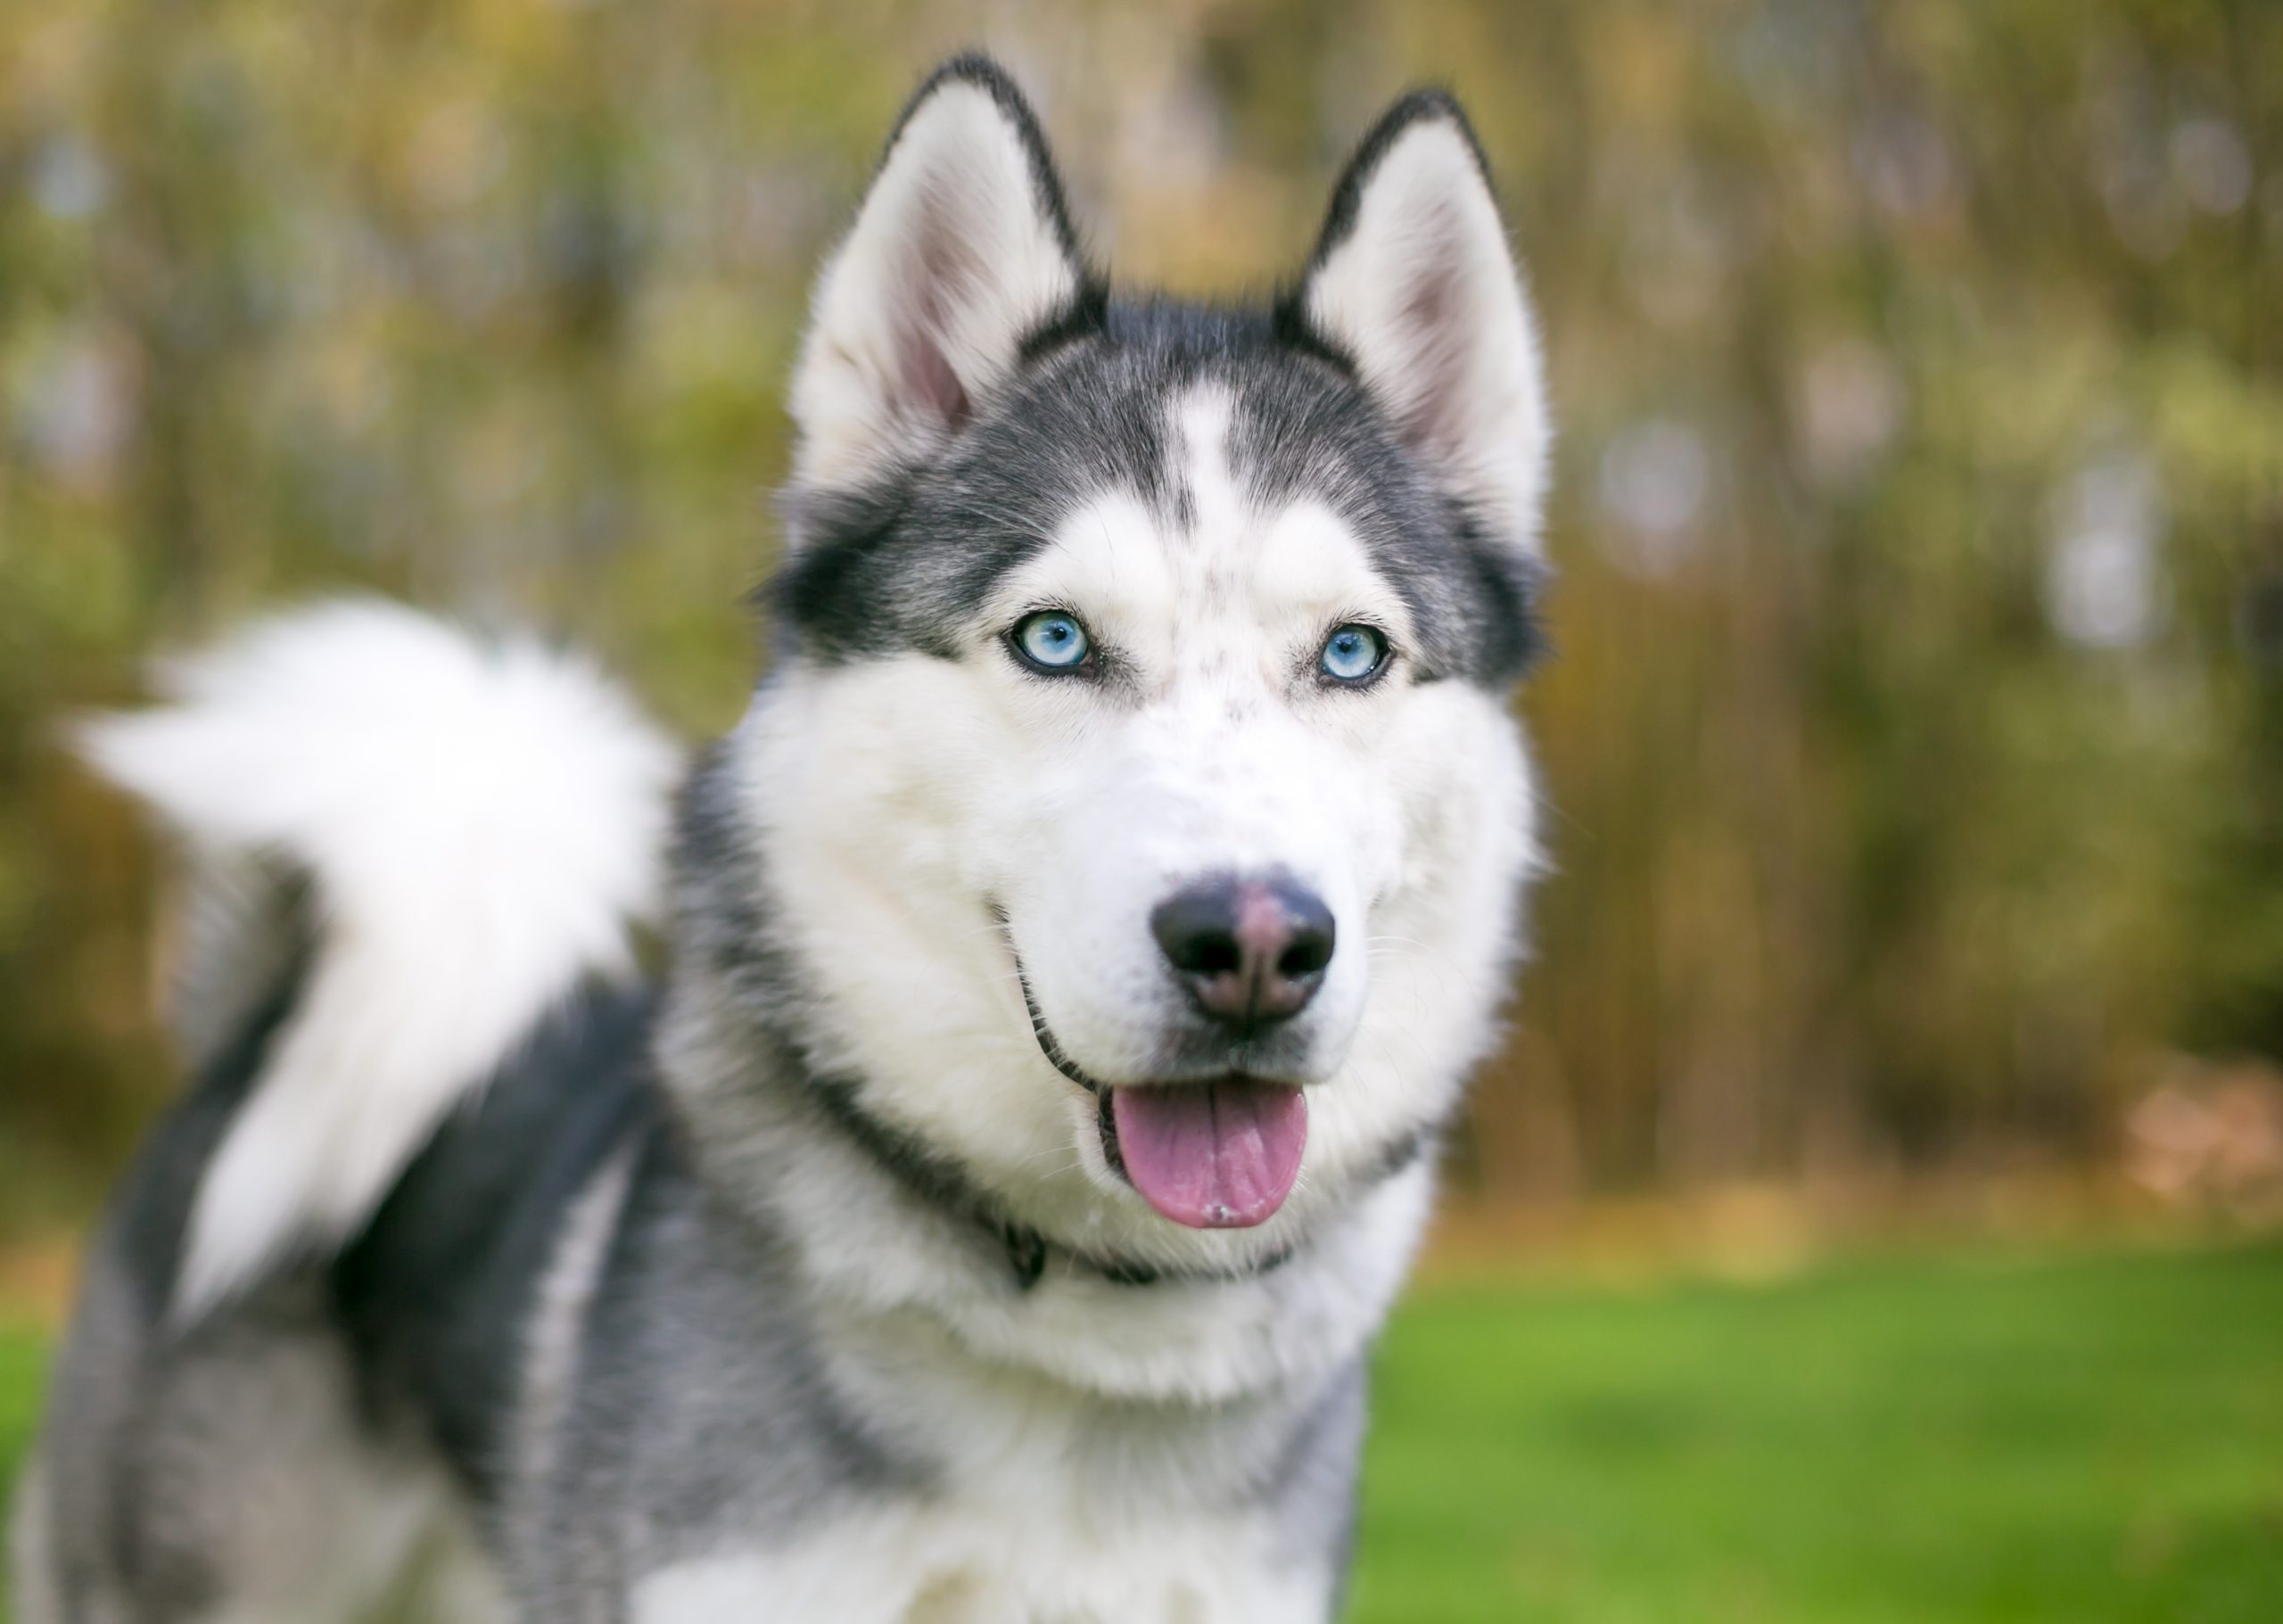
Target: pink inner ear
(935,388)
(1432,316)
(926,378)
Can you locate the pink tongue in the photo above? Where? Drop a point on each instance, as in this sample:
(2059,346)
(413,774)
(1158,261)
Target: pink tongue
(1212,1155)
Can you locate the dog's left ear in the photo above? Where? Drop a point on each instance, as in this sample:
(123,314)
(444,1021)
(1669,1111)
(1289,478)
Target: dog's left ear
(1413,282)
(962,250)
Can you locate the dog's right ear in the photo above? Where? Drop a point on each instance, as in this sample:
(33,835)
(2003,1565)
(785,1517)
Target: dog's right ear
(961,250)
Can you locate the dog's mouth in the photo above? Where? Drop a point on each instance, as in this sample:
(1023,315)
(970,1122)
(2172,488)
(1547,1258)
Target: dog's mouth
(1217,1153)
(1221,1154)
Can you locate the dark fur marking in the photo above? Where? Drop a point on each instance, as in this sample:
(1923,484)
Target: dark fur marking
(152,1219)
(1398,1154)
(435,1296)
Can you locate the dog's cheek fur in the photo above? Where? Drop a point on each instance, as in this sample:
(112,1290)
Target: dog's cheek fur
(1442,942)
(867,780)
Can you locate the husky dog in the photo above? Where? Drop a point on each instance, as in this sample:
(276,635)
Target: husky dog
(1074,955)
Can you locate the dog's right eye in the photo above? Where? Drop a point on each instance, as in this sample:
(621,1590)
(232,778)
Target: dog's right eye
(1051,640)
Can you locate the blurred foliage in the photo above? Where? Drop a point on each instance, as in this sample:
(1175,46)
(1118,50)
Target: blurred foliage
(1914,750)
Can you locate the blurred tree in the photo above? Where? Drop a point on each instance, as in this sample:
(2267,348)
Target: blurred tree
(1914,752)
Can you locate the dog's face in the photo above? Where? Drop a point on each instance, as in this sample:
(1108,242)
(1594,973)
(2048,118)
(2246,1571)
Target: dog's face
(1140,799)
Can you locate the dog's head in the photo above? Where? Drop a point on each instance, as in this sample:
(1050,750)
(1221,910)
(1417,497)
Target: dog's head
(1140,802)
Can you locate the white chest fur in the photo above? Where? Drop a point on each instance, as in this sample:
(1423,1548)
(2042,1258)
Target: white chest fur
(962,1564)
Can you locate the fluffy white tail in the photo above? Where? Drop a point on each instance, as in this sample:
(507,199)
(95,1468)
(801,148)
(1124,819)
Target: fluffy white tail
(479,824)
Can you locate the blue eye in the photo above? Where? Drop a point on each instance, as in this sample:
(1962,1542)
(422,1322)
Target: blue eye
(1352,653)
(1052,640)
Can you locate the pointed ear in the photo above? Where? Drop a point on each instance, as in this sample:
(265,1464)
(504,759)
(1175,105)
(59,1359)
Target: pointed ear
(962,250)
(1413,282)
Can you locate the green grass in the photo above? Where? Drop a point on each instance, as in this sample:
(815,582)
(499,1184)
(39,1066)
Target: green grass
(2076,1441)
(24,1356)
(2081,1440)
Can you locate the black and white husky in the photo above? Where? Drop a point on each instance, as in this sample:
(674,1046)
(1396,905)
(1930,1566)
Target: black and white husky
(1075,954)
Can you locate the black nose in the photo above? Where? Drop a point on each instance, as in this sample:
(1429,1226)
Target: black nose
(1251,950)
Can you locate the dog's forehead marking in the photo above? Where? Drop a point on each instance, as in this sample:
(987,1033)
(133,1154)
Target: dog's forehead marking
(1210,506)
(1217,583)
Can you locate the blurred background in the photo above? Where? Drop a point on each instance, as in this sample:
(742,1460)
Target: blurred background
(1914,742)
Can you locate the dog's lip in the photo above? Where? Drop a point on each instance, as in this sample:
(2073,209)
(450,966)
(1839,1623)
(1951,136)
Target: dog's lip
(1105,1113)
(1044,1033)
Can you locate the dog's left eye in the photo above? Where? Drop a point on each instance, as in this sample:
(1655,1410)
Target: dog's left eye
(1051,640)
(1352,654)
